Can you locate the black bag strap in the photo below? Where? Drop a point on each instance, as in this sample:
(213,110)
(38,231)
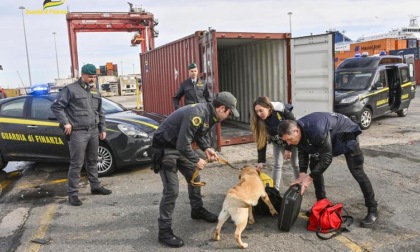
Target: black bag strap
(346,225)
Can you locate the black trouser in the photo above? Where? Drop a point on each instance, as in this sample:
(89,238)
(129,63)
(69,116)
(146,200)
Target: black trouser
(171,162)
(355,160)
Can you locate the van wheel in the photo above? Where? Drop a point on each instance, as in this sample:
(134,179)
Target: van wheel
(106,161)
(365,119)
(402,112)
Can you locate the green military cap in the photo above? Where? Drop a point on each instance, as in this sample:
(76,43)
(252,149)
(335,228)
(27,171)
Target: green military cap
(228,100)
(89,69)
(192,65)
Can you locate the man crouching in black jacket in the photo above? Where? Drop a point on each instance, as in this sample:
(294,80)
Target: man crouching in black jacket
(320,136)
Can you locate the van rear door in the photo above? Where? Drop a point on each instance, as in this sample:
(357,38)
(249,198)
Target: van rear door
(312,74)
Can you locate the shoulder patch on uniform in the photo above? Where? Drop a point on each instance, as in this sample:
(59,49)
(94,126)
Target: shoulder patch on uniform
(196,121)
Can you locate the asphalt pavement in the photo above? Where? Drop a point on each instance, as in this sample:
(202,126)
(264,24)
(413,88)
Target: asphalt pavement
(36,207)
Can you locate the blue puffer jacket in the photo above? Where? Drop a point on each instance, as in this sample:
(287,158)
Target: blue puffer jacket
(326,134)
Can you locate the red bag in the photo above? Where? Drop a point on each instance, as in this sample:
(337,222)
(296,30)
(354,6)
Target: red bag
(326,218)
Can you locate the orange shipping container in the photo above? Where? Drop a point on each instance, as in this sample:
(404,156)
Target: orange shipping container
(109,66)
(371,47)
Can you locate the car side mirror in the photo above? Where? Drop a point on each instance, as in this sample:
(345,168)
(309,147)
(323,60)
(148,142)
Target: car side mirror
(378,85)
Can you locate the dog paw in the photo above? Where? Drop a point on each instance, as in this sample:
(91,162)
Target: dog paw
(216,236)
(251,221)
(244,246)
(273,212)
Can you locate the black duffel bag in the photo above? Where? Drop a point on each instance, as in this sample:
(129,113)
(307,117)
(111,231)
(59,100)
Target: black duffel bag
(274,195)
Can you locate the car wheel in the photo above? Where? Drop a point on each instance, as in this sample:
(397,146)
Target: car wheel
(365,119)
(402,112)
(3,163)
(106,162)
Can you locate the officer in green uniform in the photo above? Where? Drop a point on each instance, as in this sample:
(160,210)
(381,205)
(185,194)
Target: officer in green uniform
(174,136)
(194,89)
(79,110)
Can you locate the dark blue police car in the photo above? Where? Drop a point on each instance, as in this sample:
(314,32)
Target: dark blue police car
(29,131)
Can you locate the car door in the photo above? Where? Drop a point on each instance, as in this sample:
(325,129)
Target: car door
(14,140)
(380,95)
(406,87)
(46,134)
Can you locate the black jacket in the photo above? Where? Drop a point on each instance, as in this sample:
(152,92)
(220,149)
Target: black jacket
(326,135)
(184,126)
(281,112)
(193,93)
(78,105)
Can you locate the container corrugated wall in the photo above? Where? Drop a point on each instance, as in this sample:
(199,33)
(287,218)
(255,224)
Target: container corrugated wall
(163,69)
(252,70)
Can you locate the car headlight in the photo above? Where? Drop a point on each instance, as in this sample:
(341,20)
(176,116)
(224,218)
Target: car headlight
(132,131)
(350,99)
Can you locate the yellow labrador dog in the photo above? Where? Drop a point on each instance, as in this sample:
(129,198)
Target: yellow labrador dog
(239,201)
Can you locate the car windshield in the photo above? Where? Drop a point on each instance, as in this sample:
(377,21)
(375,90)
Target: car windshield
(353,80)
(110,107)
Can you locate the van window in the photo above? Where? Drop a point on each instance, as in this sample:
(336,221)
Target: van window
(381,77)
(404,75)
(354,80)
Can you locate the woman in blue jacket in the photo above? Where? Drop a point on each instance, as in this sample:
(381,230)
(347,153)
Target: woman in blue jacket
(264,123)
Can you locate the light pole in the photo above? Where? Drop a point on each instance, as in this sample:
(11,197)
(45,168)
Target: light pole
(56,56)
(122,71)
(26,45)
(290,22)
(344,37)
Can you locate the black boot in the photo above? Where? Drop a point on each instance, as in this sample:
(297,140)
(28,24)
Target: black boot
(167,237)
(370,218)
(203,214)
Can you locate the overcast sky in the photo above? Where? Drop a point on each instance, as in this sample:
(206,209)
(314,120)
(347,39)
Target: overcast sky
(177,19)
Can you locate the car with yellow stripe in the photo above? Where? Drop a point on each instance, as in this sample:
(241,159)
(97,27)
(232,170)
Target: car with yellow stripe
(371,87)
(29,131)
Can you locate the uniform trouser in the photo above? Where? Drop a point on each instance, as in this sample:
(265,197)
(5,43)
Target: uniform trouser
(171,162)
(278,154)
(83,145)
(355,160)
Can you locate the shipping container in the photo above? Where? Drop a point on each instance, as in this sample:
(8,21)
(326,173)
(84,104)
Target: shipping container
(246,64)
(109,66)
(373,47)
(417,70)
(128,84)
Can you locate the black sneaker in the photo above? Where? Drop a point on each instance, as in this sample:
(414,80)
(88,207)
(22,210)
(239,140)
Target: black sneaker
(74,200)
(168,238)
(101,190)
(203,214)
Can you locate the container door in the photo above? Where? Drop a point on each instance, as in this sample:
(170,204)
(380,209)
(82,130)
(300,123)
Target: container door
(208,55)
(312,74)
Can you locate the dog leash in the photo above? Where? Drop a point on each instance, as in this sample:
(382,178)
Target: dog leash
(197,171)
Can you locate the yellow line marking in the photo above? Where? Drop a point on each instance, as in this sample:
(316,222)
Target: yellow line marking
(341,238)
(44,222)
(349,243)
(31,185)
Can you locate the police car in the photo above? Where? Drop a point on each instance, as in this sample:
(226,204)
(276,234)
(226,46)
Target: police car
(29,131)
(368,87)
